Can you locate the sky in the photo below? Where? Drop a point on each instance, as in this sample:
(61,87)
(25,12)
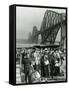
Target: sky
(27,17)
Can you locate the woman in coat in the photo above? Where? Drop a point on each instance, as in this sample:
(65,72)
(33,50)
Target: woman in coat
(46,66)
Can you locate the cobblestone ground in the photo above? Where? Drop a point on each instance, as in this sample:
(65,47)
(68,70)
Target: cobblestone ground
(18,77)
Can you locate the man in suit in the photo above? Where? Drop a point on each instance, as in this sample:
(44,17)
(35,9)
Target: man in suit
(42,64)
(52,64)
(27,64)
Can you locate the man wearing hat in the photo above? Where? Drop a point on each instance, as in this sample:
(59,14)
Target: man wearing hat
(52,64)
(27,64)
(46,66)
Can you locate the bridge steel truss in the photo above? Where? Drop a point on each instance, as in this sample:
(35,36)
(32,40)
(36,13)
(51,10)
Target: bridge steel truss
(50,26)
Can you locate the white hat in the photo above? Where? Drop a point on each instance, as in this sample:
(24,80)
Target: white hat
(45,49)
(46,56)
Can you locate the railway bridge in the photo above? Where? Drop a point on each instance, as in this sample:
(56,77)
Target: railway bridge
(51,24)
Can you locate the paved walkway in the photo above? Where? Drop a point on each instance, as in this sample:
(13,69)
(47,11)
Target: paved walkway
(18,78)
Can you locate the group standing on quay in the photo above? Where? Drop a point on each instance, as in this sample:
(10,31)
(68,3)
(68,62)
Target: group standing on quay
(38,64)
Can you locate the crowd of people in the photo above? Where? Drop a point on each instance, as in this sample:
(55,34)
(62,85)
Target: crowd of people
(37,64)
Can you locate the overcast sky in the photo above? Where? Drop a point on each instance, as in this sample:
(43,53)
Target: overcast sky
(27,17)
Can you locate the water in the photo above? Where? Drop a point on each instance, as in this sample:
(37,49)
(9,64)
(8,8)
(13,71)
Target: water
(21,45)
